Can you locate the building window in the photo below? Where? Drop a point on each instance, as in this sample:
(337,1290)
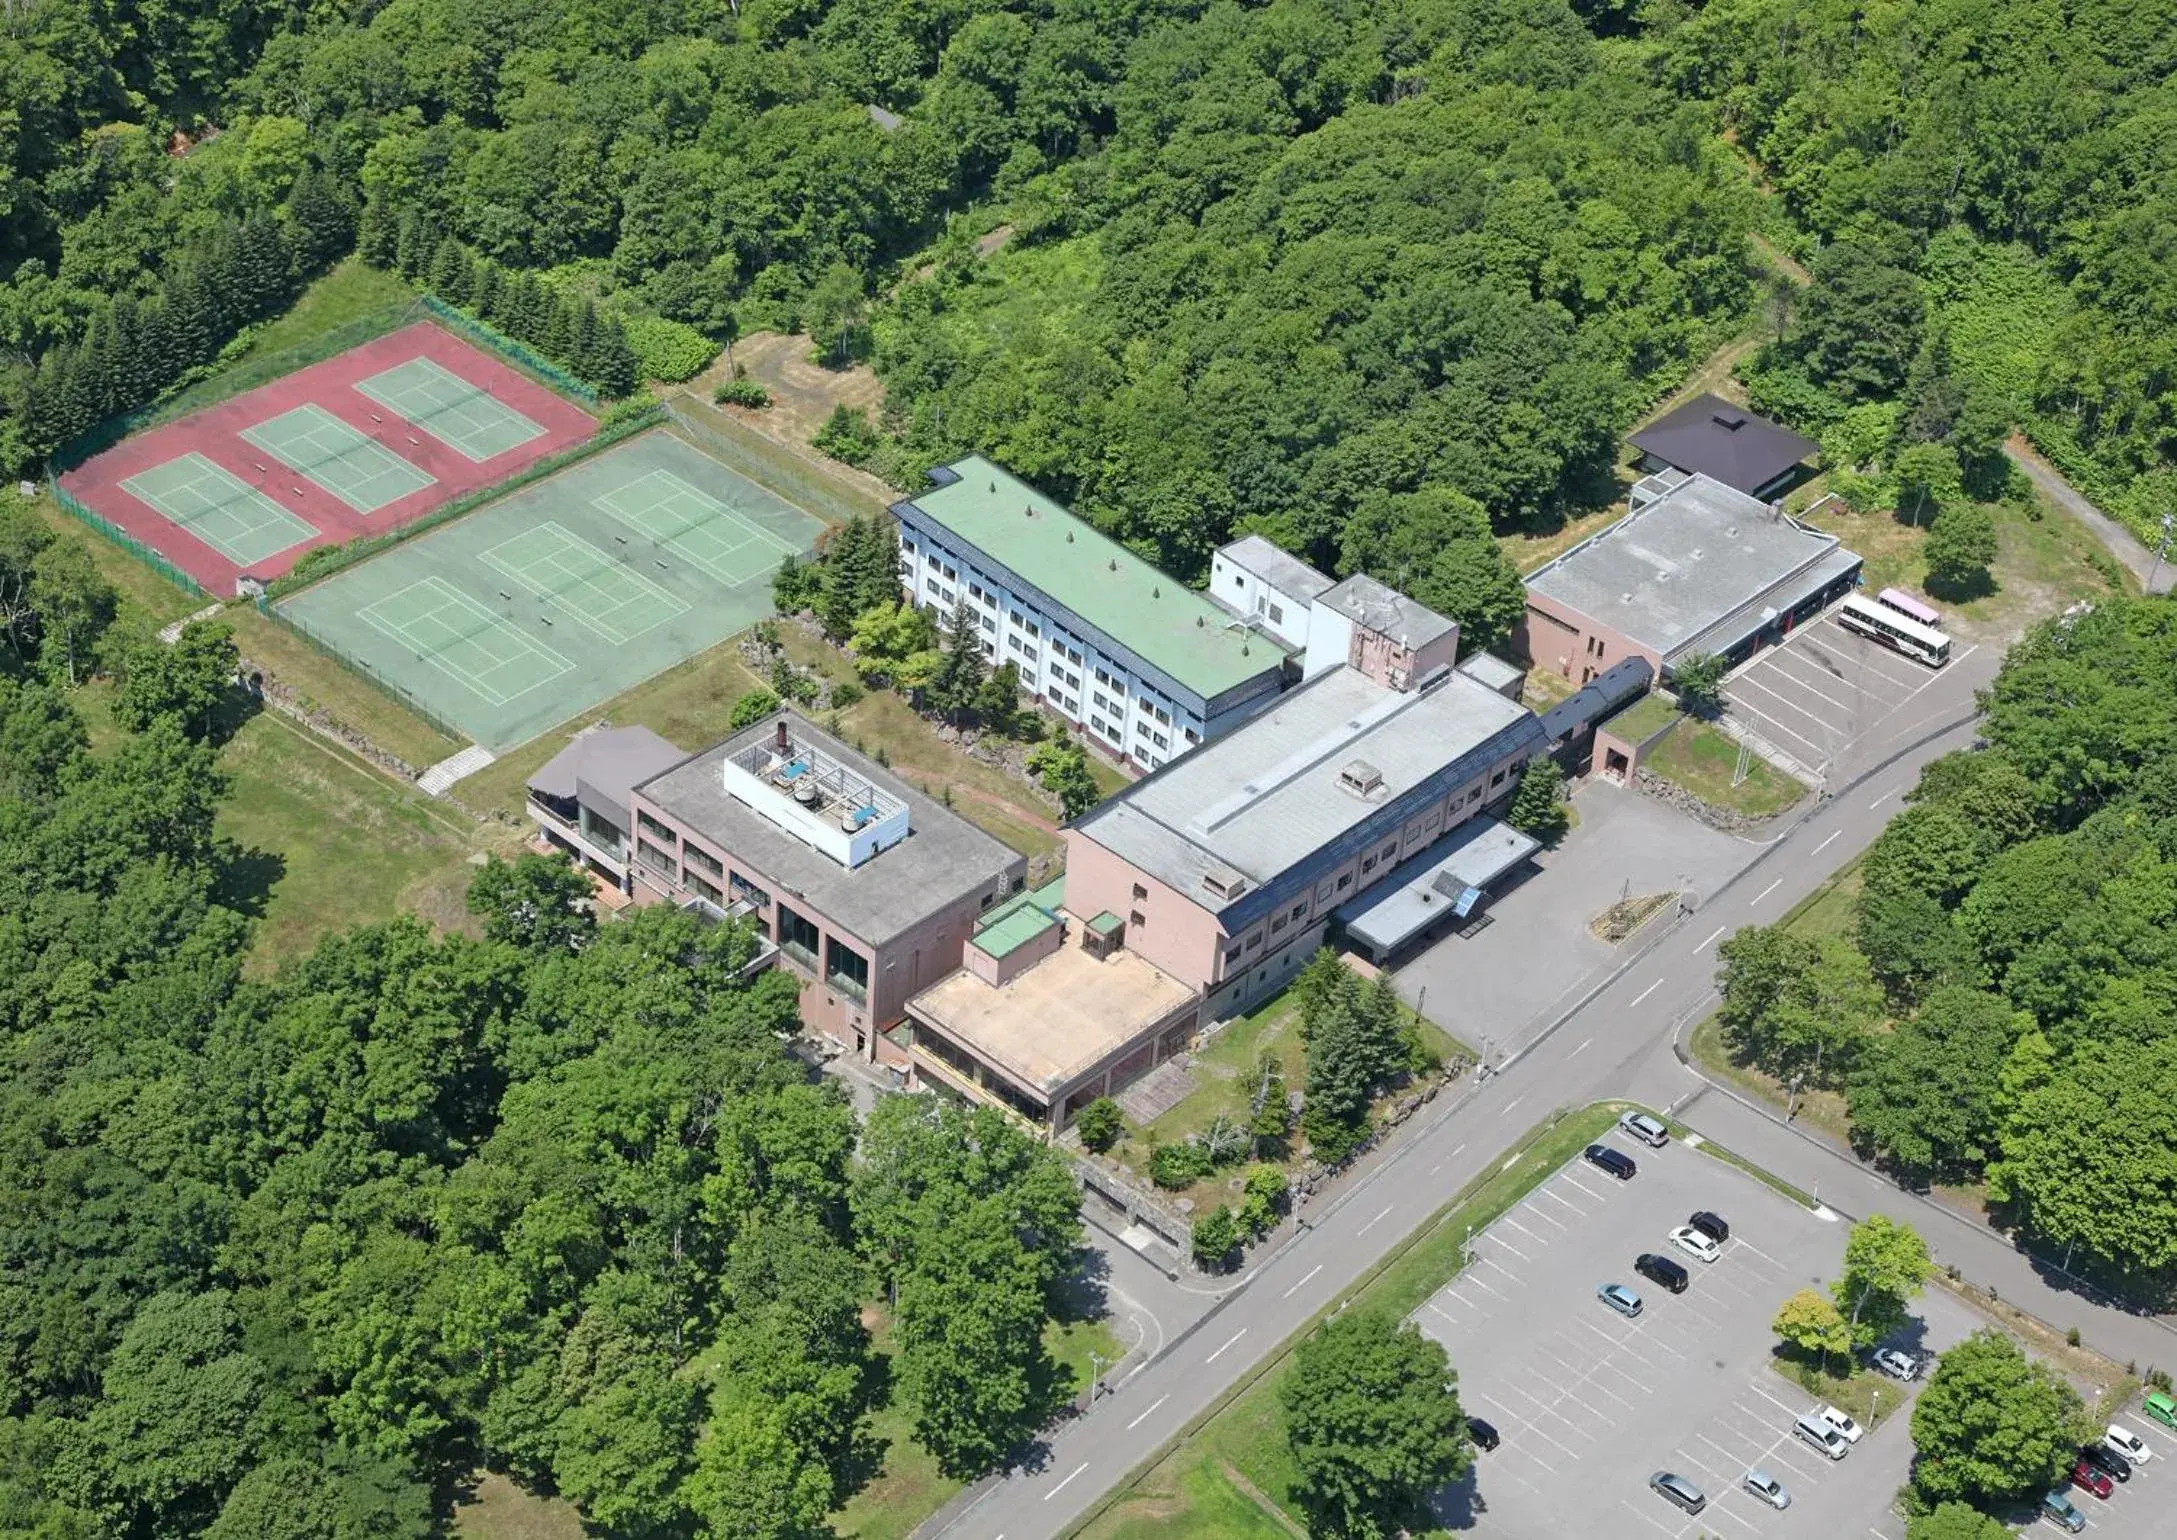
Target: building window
(1254,942)
(932,585)
(650,825)
(707,890)
(656,859)
(1193,737)
(744,889)
(1345,880)
(1134,921)
(1140,893)
(1278,924)
(797,938)
(1368,864)
(702,860)
(1277,615)
(1098,723)
(846,970)
(989,625)
(1299,910)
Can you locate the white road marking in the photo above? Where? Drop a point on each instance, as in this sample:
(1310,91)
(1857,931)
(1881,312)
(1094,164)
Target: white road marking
(1748,1245)
(1508,1106)
(1886,796)
(1364,1229)
(1712,935)
(1054,1491)
(1824,845)
(1454,1155)
(1771,888)
(1581,1049)
(1236,1336)
(1296,1288)
(1436,1168)
(1651,989)
(1144,1417)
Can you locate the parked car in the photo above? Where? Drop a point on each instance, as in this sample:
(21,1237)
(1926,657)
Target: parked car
(2107,1461)
(2127,1443)
(1619,1298)
(1843,1424)
(2084,1475)
(1484,1434)
(1711,1225)
(1675,1488)
(1767,1488)
(1694,1243)
(2163,1409)
(1648,1130)
(1812,1431)
(1616,1162)
(1898,1364)
(1661,1269)
(2062,1512)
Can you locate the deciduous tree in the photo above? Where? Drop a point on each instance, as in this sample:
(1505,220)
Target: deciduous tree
(1372,1416)
(1990,1425)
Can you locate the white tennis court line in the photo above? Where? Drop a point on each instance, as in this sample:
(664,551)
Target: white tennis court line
(447,598)
(476,417)
(551,550)
(329,443)
(185,504)
(659,491)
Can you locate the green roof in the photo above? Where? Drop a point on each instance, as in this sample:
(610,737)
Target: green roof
(1105,923)
(1014,923)
(1165,623)
(1643,719)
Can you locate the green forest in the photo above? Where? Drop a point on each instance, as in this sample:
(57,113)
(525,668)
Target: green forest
(1198,267)
(2000,1012)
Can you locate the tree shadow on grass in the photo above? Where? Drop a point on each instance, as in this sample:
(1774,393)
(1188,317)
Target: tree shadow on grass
(246,878)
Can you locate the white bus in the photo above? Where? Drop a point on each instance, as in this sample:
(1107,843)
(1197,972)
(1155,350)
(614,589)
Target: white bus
(1893,630)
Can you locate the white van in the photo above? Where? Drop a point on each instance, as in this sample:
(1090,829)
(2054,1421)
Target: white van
(1811,1430)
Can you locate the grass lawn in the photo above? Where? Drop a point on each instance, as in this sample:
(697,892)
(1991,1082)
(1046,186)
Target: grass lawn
(345,845)
(1195,1491)
(1644,718)
(1545,689)
(349,292)
(497,1509)
(1860,1393)
(1700,758)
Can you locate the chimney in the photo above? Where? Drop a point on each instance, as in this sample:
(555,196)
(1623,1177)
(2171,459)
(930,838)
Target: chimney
(783,743)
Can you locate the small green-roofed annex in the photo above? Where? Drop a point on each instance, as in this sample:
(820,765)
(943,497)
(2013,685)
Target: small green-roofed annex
(1165,622)
(1012,926)
(1106,923)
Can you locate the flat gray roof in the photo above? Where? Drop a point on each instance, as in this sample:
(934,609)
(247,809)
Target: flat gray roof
(943,857)
(1380,607)
(602,766)
(1276,566)
(1266,797)
(1671,572)
(1428,887)
(1491,670)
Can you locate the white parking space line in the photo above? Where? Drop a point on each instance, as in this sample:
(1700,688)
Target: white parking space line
(1539,1240)
(1812,686)
(1556,1197)
(1794,704)
(1592,1192)
(1739,705)
(1784,1406)
(1498,1240)
(1446,1314)
(1785,703)
(1491,1263)
(1642,1513)
(1745,1245)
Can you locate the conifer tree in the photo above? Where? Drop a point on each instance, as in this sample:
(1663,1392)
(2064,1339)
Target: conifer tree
(959,675)
(377,235)
(619,372)
(449,276)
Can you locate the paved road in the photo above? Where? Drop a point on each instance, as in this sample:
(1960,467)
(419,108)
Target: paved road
(2157,576)
(1612,1042)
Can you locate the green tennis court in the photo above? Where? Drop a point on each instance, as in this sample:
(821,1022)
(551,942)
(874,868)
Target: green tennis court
(219,508)
(448,630)
(345,461)
(466,418)
(589,586)
(565,593)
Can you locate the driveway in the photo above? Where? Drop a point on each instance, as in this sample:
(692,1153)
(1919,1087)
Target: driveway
(1537,950)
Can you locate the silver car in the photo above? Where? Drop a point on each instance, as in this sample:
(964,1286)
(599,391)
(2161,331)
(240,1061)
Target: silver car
(1619,1298)
(1767,1488)
(1648,1130)
(1674,1488)
(1897,1364)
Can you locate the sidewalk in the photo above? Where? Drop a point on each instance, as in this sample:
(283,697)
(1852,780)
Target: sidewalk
(1982,1257)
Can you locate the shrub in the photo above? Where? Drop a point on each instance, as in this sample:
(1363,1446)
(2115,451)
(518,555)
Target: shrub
(847,435)
(668,350)
(1100,1124)
(1175,1166)
(741,392)
(752,707)
(1262,1199)
(845,693)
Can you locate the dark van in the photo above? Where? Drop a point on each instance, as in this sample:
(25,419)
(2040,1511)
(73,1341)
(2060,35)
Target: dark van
(1616,1162)
(1661,1270)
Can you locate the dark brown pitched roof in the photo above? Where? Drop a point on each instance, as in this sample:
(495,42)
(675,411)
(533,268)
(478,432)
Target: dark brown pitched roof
(1725,442)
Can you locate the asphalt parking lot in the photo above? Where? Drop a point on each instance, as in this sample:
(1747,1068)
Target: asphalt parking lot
(1590,1404)
(2138,1509)
(1821,689)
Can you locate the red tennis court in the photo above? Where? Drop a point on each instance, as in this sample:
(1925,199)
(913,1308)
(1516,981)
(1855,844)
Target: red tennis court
(364,442)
